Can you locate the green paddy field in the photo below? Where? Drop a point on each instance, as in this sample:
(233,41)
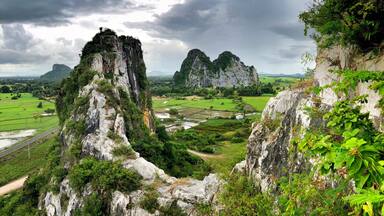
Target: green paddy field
(23,113)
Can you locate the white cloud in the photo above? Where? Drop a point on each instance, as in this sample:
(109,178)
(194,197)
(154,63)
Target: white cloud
(265,34)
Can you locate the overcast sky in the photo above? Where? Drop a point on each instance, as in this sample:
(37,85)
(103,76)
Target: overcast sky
(35,34)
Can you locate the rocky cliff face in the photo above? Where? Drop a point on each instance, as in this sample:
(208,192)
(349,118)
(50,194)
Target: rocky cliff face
(226,71)
(103,106)
(271,150)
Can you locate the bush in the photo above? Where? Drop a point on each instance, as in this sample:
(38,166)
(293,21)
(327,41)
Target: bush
(208,149)
(49,111)
(40,105)
(94,205)
(301,194)
(149,201)
(123,150)
(172,210)
(103,175)
(171,157)
(241,196)
(173,111)
(346,22)
(237,139)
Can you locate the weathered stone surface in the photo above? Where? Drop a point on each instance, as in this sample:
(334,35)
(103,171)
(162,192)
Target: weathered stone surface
(268,147)
(147,170)
(226,71)
(271,152)
(239,167)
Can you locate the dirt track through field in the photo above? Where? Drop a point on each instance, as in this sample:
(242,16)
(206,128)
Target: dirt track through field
(205,156)
(14,185)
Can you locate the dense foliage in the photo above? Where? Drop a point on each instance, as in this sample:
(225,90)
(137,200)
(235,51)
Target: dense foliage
(346,22)
(103,176)
(224,60)
(25,202)
(70,87)
(171,157)
(240,196)
(207,136)
(349,146)
(38,88)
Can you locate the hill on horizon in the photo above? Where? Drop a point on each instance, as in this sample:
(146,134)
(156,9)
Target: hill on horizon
(58,73)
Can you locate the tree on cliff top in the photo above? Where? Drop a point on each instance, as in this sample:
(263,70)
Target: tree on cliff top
(358,22)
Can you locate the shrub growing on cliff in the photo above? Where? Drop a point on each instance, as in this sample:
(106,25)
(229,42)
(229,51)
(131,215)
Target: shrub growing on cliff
(350,147)
(103,175)
(172,157)
(346,22)
(149,201)
(70,87)
(241,196)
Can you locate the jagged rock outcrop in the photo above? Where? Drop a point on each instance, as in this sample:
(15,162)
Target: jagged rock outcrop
(103,105)
(271,152)
(227,70)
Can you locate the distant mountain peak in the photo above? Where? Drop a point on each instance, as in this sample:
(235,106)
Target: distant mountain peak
(58,73)
(197,70)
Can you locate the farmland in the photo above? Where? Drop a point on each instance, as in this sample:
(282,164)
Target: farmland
(18,164)
(218,104)
(23,113)
(217,137)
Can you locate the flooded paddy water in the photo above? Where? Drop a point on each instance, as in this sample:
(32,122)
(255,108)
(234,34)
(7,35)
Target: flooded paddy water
(9,138)
(191,117)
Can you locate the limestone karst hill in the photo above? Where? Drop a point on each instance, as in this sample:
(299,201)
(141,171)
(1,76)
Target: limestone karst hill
(197,70)
(101,164)
(57,74)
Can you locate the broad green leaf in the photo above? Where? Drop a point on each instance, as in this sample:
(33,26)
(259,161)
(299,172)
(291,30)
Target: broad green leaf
(353,142)
(362,180)
(349,160)
(356,165)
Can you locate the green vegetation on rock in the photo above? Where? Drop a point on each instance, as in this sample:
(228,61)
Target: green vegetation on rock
(103,176)
(346,22)
(24,114)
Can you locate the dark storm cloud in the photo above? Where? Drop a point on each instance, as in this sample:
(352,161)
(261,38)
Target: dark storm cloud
(293,52)
(198,16)
(294,31)
(16,38)
(251,29)
(16,45)
(51,12)
(14,57)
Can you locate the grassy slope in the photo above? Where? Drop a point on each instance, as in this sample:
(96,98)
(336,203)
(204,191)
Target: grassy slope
(18,114)
(279,83)
(257,102)
(230,153)
(227,153)
(270,79)
(18,164)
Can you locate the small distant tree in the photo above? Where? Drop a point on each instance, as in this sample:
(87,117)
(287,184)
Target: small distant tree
(40,105)
(49,111)
(5,89)
(173,111)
